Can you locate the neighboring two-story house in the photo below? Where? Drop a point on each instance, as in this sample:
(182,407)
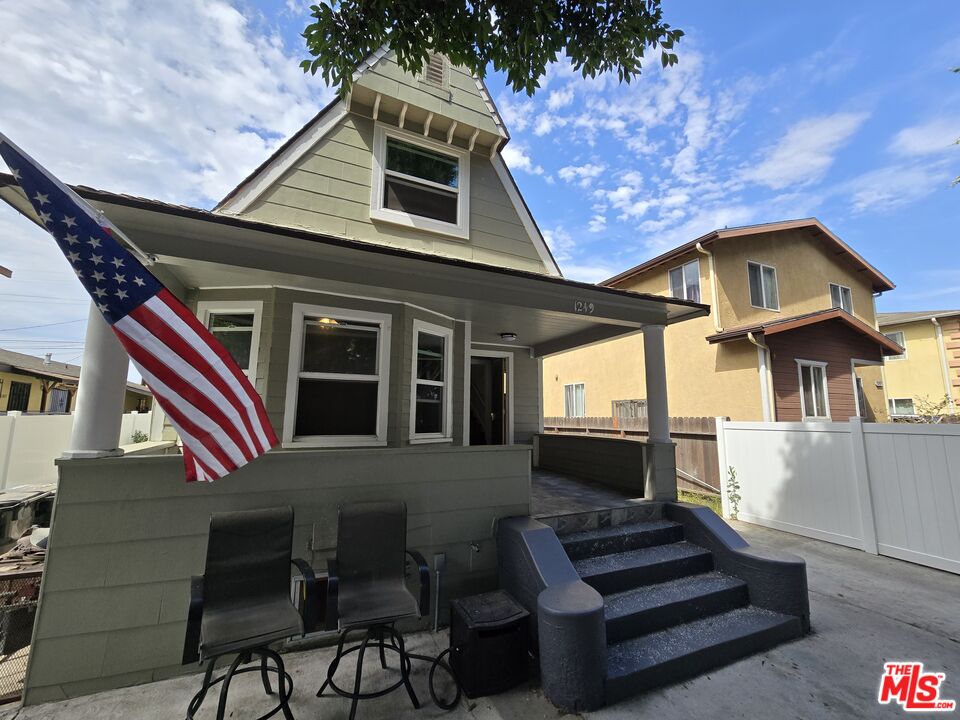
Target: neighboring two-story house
(925,378)
(791,326)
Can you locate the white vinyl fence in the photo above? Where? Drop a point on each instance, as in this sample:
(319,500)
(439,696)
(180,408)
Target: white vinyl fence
(30,443)
(886,488)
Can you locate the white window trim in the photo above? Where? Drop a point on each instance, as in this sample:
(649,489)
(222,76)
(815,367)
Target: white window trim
(891,403)
(206,308)
(826,390)
(776,279)
(446,435)
(903,336)
(854,364)
(572,384)
(301,311)
(459,230)
(508,356)
(695,261)
(831,286)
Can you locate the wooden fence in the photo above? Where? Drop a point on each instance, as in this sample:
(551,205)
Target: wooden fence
(696,439)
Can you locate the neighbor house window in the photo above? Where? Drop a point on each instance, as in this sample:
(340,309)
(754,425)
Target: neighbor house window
(19,398)
(236,324)
(574,403)
(685,281)
(420,183)
(430,393)
(337,377)
(629,409)
(841,297)
(763,286)
(902,407)
(814,400)
(897,337)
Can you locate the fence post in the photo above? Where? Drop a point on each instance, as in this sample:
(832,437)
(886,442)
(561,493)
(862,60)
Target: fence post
(722,462)
(861,474)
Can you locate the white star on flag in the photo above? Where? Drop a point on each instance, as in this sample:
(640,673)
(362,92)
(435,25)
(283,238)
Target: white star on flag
(96,259)
(73,257)
(69,221)
(103,308)
(71,239)
(99,292)
(15,173)
(42,199)
(139,281)
(94,242)
(121,294)
(97,275)
(119,278)
(44,218)
(117,262)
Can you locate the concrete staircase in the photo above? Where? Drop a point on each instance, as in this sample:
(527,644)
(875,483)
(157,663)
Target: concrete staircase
(669,615)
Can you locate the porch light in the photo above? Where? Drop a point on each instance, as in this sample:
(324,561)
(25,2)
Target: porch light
(508,337)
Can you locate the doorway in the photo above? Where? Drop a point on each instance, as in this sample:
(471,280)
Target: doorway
(489,399)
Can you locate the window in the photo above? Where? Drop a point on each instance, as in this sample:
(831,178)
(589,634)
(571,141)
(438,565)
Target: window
(841,297)
(574,404)
(685,281)
(420,183)
(430,396)
(763,286)
(629,409)
(337,377)
(814,401)
(236,324)
(19,398)
(901,407)
(897,337)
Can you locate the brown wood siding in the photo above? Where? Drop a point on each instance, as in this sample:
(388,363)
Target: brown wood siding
(830,342)
(951,341)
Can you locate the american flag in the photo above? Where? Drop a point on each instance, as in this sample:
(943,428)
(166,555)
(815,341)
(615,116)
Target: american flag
(211,403)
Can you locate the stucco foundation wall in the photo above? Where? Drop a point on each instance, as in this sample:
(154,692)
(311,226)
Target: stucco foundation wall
(128,533)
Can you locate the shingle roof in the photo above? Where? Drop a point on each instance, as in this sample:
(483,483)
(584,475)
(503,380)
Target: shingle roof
(54,369)
(899,318)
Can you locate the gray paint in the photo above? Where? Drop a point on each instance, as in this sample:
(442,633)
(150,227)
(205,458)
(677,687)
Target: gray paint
(609,461)
(128,533)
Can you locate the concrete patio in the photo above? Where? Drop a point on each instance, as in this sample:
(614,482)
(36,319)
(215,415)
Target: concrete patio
(864,609)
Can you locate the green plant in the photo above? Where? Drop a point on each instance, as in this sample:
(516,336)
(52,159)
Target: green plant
(733,492)
(140,436)
(517,37)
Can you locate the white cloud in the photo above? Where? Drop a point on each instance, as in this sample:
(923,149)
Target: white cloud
(560,98)
(896,185)
(584,175)
(807,150)
(516,157)
(598,223)
(931,137)
(591,273)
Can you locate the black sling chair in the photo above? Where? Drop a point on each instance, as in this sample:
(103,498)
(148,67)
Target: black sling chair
(242,603)
(366,590)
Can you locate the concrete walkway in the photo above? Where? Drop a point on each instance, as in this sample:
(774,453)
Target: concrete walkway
(865,610)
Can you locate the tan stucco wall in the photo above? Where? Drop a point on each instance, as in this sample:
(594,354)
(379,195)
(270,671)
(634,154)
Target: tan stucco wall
(919,376)
(875,397)
(805,268)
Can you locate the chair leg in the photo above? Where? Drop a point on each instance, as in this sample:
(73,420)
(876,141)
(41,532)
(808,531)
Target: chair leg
(332,670)
(197,700)
(222,705)
(405,669)
(284,691)
(356,684)
(383,655)
(265,676)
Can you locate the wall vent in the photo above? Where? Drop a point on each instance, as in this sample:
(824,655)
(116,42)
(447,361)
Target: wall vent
(435,71)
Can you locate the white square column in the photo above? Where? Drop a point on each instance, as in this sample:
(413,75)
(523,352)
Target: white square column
(660,458)
(103,383)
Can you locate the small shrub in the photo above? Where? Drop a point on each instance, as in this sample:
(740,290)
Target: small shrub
(140,436)
(733,492)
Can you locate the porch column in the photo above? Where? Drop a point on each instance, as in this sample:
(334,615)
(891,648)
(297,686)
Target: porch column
(660,460)
(656,376)
(103,382)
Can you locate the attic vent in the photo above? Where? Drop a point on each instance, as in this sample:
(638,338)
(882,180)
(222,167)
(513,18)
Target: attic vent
(434,72)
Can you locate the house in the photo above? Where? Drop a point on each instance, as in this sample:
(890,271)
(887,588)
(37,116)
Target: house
(32,384)
(384,286)
(791,327)
(925,378)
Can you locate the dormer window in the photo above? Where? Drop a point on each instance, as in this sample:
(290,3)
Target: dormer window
(435,71)
(419,182)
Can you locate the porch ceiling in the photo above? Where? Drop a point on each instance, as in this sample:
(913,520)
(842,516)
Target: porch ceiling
(548,314)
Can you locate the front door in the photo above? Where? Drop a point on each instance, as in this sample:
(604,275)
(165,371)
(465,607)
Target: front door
(488,400)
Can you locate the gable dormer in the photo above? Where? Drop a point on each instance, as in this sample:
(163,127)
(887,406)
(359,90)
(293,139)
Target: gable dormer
(404,160)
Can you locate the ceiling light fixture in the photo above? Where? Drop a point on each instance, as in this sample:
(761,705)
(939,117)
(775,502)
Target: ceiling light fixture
(508,337)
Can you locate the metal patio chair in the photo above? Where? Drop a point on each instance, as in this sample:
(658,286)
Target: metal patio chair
(367,591)
(242,602)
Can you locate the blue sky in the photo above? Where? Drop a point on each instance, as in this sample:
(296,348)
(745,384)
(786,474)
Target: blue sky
(845,111)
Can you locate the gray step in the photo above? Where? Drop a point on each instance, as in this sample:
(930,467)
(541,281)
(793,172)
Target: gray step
(620,538)
(646,566)
(650,608)
(680,652)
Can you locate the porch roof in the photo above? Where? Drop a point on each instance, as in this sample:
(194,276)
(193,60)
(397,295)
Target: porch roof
(887,346)
(200,249)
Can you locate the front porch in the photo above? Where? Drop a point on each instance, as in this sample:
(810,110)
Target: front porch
(553,493)
(831,674)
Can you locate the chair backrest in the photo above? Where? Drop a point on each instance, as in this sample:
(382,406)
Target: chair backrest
(372,542)
(248,556)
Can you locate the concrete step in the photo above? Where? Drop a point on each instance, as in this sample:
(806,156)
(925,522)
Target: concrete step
(683,651)
(647,609)
(646,566)
(620,538)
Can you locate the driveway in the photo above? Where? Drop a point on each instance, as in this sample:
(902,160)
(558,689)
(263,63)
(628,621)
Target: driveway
(864,609)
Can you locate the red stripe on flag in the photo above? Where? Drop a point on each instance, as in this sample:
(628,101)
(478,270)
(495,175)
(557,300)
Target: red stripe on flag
(184,314)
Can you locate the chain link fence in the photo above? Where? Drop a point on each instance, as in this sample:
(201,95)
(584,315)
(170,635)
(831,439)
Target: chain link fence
(18,608)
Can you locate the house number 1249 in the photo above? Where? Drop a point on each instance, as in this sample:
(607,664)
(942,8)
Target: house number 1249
(582,306)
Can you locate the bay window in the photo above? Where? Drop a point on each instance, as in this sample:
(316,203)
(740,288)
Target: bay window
(430,392)
(337,377)
(236,324)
